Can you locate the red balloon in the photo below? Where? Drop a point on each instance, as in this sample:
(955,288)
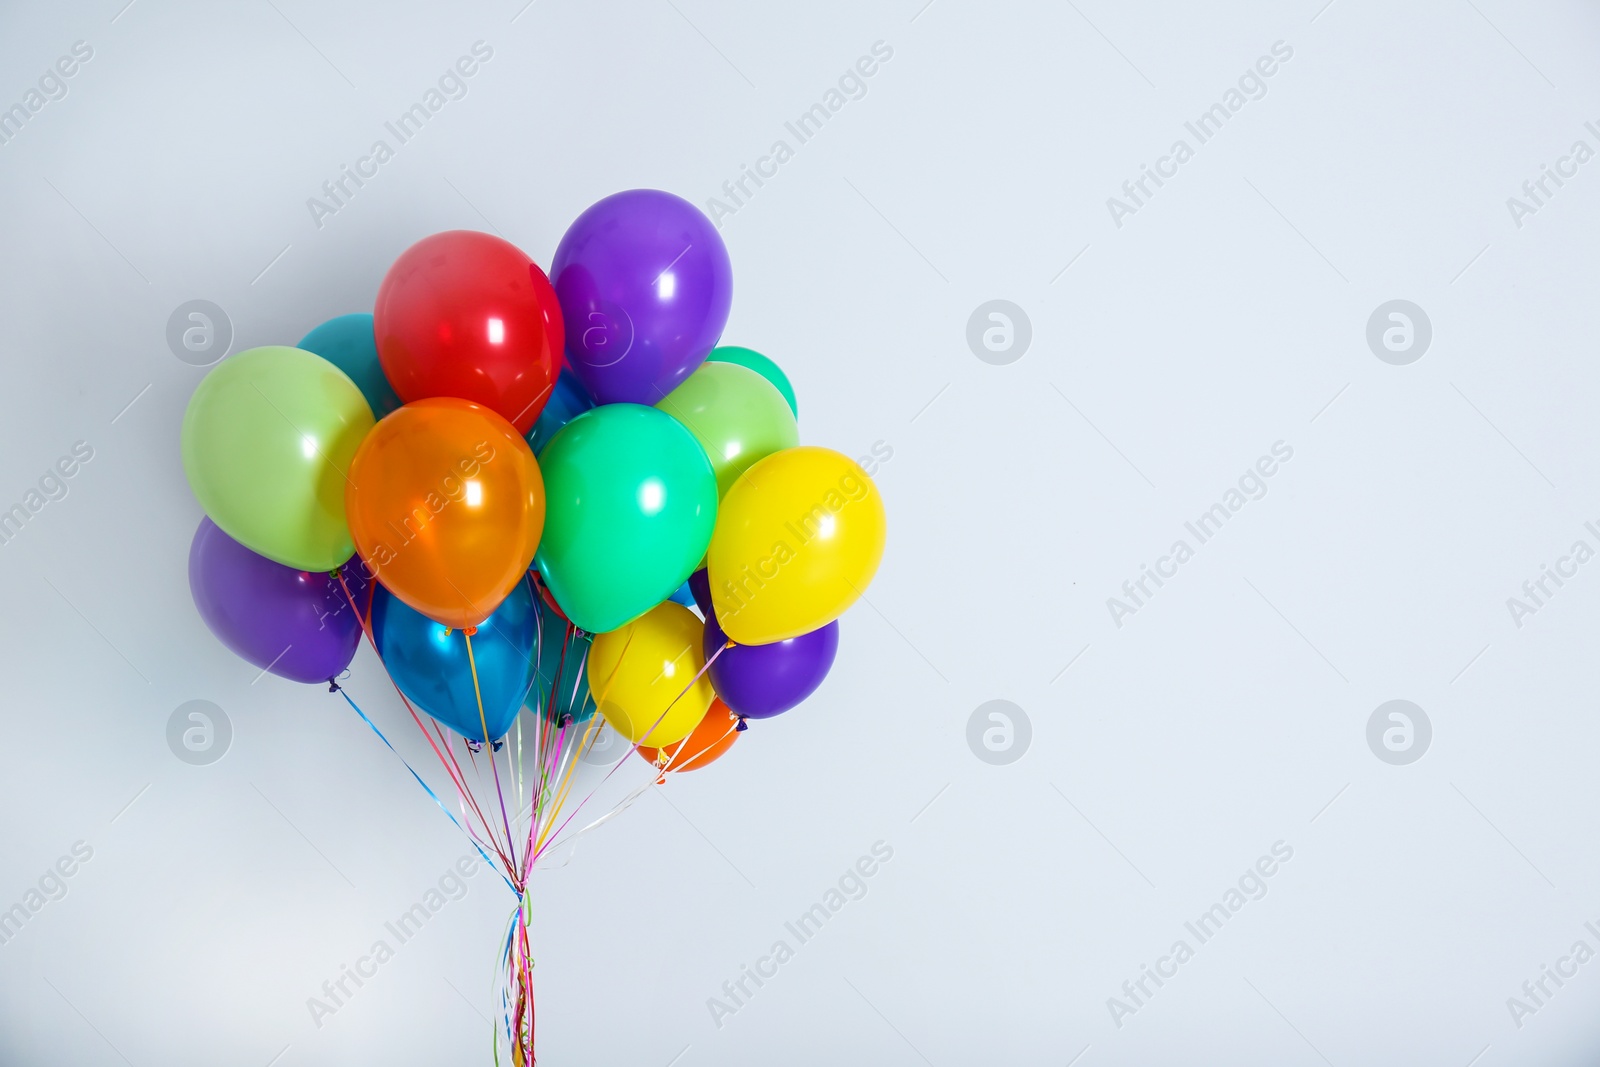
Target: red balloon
(465,314)
(544,594)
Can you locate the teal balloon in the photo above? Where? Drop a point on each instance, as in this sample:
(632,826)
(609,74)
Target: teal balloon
(430,664)
(561,691)
(630,503)
(348,343)
(567,401)
(749,357)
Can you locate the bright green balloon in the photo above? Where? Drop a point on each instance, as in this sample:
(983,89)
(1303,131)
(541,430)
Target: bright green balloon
(630,502)
(749,357)
(735,414)
(267,439)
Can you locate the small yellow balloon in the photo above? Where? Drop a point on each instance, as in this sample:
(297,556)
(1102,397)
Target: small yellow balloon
(638,672)
(799,536)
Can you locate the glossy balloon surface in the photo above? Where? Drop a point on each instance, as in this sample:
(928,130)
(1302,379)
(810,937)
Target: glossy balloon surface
(798,539)
(749,357)
(347,342)
(717,731)
(760,681)
(433,668)
(267,440)
(632,503)
(645,676)
(645,287)
(468,315)
(735,414)
(446,505)
(296,624)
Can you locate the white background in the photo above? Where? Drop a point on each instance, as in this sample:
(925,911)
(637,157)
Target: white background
(1230,713)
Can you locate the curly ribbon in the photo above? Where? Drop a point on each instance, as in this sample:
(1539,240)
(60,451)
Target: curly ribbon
(425,786)
(558,742)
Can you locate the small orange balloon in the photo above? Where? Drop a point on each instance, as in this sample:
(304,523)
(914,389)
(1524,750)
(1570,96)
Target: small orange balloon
(446,504)
(715,735)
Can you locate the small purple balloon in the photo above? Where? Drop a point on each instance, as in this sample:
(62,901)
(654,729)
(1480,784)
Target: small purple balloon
(297,624)
(760,681)
(700,589)
(645,286)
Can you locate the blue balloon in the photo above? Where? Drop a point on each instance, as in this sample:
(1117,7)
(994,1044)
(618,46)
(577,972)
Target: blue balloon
(684,596)
(348,343)
(567,401)
(428,661)
(561,692)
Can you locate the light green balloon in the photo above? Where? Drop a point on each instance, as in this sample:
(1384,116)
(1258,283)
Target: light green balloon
(749,357)
(267,441)
(735,414)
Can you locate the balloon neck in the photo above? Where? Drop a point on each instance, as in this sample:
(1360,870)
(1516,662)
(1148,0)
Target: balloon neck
(742,727)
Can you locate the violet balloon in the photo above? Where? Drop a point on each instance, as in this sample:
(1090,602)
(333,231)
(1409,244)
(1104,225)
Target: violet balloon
(700,588)
(645,286)
(296,624)
(760,681)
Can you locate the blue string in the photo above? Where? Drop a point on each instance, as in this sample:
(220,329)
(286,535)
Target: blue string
(451,815)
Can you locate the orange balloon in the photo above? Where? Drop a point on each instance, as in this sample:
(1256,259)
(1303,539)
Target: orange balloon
(446,504)
(715,735)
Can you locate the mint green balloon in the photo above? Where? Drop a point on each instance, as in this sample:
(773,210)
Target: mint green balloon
(735,414)
(749,357)
(630,502)
(267,440)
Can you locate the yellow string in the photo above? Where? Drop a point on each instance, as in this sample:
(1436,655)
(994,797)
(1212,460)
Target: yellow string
(473,663)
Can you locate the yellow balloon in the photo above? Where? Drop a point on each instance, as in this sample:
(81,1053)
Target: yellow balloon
(637,674)
(798,537)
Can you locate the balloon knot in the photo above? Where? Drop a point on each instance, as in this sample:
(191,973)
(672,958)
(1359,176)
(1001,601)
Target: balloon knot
(496,745)
(473,746)
(333,686)
(470,631)
(742,727)
(662,780)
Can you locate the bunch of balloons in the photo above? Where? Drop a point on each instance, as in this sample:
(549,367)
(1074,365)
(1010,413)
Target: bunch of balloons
(515,485)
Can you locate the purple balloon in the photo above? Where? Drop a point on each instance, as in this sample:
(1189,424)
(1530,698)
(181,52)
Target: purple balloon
(297,624)
(760,681)
(700,587)
(645,286)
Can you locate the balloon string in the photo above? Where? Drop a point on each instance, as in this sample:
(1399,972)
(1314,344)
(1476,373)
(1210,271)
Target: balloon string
(426,788)
(733,728)
(520,1021)
(494,764)
(366,627)
(704,667)
(615,671)
(544,833)
(564,754)
(452,769)
(561,666)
